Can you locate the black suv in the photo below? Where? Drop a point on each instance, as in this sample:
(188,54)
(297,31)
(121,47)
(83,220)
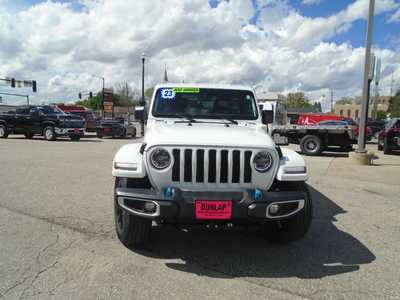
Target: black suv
(389,137)
(45,120)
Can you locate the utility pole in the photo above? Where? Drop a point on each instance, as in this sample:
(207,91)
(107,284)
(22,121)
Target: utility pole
(391,86)
(377,78)
(143,62)
(331,100)
(102,93)
(143,101)
(366,83)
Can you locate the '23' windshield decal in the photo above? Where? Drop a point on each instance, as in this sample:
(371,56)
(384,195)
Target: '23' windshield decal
(168,94)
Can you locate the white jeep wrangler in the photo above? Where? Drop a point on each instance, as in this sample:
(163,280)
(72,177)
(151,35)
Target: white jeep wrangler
(207,159)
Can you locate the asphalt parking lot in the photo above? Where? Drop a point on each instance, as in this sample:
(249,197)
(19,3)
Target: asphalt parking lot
(57,235)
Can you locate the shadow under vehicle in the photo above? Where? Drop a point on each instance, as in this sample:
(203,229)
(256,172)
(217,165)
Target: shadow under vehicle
(231,253)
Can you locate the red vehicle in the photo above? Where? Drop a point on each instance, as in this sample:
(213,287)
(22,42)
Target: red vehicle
(310,119)
(83,112)
(389,137)
(323,119)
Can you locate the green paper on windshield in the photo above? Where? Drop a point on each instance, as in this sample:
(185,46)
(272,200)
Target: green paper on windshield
(188,90)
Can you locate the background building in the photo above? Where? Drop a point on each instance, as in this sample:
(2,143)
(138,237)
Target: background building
(354,110)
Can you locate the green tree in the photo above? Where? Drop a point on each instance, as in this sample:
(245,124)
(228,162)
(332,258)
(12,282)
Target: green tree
(345,100)
(381,115)
(93,103)
(394,105)
(317,106)
(124,95)
(297,100)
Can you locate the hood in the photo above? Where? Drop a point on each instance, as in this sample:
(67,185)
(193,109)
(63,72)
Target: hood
(69,117)
(216,134)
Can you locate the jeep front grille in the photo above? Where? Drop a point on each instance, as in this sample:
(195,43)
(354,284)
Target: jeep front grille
(211,165)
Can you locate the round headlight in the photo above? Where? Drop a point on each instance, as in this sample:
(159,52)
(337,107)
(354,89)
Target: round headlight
(262,161)
(160,158)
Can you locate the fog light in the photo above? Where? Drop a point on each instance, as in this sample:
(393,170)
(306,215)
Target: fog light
(168,192)
(149,207)
(273,209)
(257,194)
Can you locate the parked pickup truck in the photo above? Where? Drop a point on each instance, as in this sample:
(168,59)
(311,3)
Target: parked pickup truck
(45,120)
(206,159)
(312,138)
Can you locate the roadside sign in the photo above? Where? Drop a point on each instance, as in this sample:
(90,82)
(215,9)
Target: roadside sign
(108,95)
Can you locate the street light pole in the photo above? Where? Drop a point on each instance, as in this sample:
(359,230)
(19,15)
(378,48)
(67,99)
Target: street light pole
(366,84)
(143,102)
(102,93)
(143,61)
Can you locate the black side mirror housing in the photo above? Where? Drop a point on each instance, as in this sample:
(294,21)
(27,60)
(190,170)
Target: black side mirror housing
(141,114)
(267,116)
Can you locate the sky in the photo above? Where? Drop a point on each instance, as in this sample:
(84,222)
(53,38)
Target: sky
(274,45)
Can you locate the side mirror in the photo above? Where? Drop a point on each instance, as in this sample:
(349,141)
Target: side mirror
(141,114)
(267,116)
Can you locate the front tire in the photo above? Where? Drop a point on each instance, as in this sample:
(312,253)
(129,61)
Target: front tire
(49,134)
(75,138)
(294,228)
(386,148)
(134,134)
(311,145)
(28,135)
(132,231)
(380,146)
(3,131)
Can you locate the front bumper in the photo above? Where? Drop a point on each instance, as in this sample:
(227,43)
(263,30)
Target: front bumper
(180,207)
(395,144)
(110,131)
(69,131)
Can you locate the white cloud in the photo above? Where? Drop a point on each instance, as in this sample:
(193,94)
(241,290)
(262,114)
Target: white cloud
(63,47)
(311,2)
(395,18)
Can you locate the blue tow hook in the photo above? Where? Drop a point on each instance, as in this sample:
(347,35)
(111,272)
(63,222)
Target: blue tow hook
(258,194)
(168,192)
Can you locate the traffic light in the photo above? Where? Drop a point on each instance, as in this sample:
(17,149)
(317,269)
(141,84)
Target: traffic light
(80,95)
(34,88)
(90,95)
(13,82)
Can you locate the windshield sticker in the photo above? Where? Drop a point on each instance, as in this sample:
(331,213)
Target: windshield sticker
(167,94)
(188,90)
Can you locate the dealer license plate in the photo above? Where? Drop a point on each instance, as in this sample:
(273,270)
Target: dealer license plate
(213,210)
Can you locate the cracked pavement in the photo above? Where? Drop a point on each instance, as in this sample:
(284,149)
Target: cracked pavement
(57,237)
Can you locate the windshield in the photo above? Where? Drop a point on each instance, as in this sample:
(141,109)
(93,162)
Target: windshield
(51,110)
(205,103)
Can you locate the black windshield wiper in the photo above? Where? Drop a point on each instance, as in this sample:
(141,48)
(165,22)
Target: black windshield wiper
(222,117)
(187,118)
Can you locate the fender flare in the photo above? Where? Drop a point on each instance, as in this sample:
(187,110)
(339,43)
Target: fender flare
(129,162)
(48,123)
(292,167)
